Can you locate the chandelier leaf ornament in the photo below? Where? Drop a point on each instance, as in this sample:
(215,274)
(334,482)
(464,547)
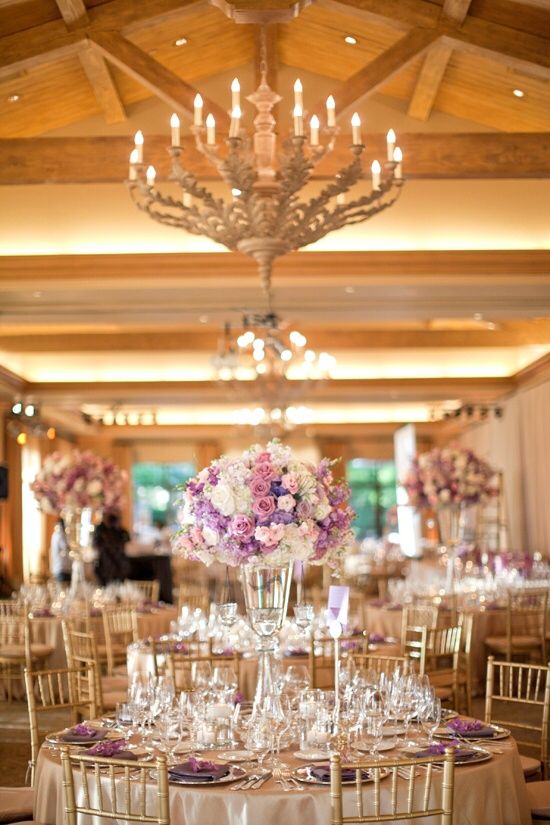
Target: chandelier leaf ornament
(266,217)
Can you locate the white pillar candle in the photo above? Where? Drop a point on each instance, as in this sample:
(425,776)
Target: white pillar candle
(138,141)
(210,129)
(356,129)
(132,171)
(235,93)
(398,159)
(175,129)
(298,121)
(390,143)
(218,711)
(314,130)
(298,93)
(197,110)
(331,111)
(376,170)
(235,124)
(151,175)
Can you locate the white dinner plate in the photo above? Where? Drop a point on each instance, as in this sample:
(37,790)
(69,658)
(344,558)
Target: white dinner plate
(393,730)
(304,775)
(55,738)
(481,755)
(366,748)
(235,772)
(236,756)
(311,756)
(499,733)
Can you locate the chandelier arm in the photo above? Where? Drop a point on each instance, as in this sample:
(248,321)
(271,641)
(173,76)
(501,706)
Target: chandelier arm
(237,169)
(190,184)
(192,220)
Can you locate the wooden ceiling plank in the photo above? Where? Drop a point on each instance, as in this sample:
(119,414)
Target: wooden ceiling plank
(370,77)
(443,156)
(153,75)
(103,85)
(435,63)
(73,12)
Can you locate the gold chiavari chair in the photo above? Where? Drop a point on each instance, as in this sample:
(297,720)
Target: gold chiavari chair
(72,689)
(381,664)
(418,615)
(179,663)
(18,651)
(193,595)
(407,800)
(114,789)
(526,615)
(9,607)
(321,657)
(149,590)
(524,690)
(120,627)
(464,675)
(437,652)
(81,650)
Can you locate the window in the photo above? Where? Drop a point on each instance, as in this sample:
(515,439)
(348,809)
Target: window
(373,493)
(156,494)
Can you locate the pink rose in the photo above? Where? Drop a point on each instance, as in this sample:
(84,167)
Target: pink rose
(264,507)
(270,536)
(259,487)
(304,509)
(242,527)
(265,470)
(286,503)
(290,481)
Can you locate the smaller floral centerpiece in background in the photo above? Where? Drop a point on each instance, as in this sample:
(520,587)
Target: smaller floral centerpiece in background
(77,480)
(266,507)
(449,477)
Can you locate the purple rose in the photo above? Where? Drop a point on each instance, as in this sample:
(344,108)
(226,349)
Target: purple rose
(259,487)
(242,527)
(264,507)
(304,509)
(265,470)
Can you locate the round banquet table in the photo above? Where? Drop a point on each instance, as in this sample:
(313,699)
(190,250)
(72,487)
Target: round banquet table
(386,620)
(491,792)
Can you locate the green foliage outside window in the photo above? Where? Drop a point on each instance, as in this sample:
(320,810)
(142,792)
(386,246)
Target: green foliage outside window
(373,493)
(155,490)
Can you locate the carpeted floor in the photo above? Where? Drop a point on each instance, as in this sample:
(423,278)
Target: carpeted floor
(15,740)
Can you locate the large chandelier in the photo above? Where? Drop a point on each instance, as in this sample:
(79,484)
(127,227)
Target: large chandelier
(265,216)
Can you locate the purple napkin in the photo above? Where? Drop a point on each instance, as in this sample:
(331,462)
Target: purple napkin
(112,748)
(471,728)
(82,733)
(394,606)
(322,773)
(376,637)
(295,651)
(198,770)
(461,754)
(42,613)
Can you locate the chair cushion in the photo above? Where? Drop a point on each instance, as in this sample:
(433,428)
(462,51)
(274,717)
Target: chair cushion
(500,642)
(538,794)
(529,764)
(40,651)
(110,684)
(15,804)
(12,652)
(110,700)
(444,693)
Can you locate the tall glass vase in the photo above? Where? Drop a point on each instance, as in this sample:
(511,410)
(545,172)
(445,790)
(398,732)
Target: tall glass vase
(450,523)
(266,591)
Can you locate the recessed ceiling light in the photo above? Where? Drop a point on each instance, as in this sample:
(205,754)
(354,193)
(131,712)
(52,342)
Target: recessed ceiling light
(350,290)
(203,319)
(14,98)
(350,40)
(181,41)
(518,93)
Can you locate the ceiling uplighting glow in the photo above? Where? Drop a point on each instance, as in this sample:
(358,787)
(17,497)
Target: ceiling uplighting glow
(518,93)
(181,41)
(15,98)
(350,40)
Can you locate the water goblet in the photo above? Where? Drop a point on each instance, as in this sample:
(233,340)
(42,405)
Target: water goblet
(227,613)
(430,717)
(304,615)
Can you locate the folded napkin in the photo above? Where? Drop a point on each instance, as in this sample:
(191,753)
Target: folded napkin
(461,754)
(198,770)
(82,733)
(113,748)
(471,728)
(295,651)
(376,637)
(322,773)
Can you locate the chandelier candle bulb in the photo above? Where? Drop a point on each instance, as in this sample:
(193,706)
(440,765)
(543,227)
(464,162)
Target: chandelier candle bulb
(376,169)
(298,121)
(210,130)
(390,142)
(151,175)
(197,110)
(187,200)
(132,171)
(298,93)
(341,198)
(138,141)
(235,124)
(314,130)
(331,112)
(175,129)
(398,160)
(356,129)
(235,93)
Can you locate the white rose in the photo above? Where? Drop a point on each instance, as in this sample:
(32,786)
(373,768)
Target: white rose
(286,503)
(445,495)
(211,537)
(322,510)
(222,498)
(94,487)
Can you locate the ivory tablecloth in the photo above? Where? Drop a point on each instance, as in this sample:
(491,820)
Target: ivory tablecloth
(491,793)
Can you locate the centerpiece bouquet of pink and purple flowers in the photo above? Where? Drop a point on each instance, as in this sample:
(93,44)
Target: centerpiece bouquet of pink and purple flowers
(268,507)
(451,476)
(76,480)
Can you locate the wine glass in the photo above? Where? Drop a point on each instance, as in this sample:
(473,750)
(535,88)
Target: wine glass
(430,717)
(201,674)
(259,738)
(296,679)
(224,677)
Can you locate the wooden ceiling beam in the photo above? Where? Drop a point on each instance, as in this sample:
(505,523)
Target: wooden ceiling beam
(73,12)
(435,64)
(444,156)
(162,82)
(103,85)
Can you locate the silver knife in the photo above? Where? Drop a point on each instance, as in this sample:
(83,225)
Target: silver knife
(259,782)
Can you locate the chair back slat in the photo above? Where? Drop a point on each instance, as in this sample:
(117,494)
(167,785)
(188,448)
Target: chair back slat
(149,590)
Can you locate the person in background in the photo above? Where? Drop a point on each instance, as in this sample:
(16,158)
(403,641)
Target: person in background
(60,560)
(110,540)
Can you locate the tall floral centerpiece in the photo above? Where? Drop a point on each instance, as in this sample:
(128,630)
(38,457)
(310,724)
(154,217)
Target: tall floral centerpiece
(262,512)
(449,480)
(67,484)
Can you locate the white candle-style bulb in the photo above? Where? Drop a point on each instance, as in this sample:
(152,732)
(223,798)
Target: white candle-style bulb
(235,124)
(175,128)
(210,129)
(398,160)
(138,141)
(132,171)
(331,111)
(151,175)
(341,198)
(298,121)
(197,110)
(355,129)
(298,93)
(235,93)
(390,142)
(187,200)
(314,130)
(376,170)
